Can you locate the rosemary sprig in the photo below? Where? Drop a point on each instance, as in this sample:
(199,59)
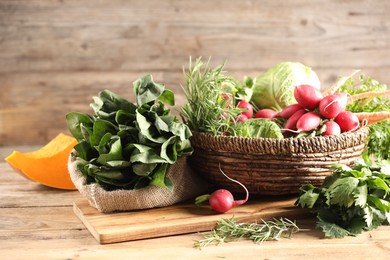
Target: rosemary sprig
(206,109)
(229,229)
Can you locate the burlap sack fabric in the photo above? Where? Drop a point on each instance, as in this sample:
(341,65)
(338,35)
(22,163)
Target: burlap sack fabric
(187,185)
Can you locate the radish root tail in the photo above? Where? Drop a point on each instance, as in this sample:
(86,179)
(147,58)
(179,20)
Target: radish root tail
(235,181)
(330,103)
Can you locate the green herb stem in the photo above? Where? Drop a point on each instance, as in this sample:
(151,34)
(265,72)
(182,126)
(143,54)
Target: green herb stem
(229,229)
(205,105)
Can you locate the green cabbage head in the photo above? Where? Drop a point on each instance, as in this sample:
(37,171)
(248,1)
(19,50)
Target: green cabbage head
(274,88)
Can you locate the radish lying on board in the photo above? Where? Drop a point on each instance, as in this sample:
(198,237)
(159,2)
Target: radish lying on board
(222,200)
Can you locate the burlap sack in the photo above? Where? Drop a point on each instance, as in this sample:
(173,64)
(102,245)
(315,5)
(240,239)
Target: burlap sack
(187,185)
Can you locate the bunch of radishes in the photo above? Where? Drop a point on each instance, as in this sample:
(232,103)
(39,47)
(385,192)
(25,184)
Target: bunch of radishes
(249,112)
(313,111)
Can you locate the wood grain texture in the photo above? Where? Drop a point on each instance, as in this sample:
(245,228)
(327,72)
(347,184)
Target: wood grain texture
(55,55)
(47,228)
(178,219)
(16,191)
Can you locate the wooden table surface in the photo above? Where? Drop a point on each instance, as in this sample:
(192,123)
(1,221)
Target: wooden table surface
(37,222)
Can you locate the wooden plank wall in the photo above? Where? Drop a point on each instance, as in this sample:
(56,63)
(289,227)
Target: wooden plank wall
(55,55)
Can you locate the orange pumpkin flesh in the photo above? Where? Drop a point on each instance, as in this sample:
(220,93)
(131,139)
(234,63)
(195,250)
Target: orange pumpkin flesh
(48,165)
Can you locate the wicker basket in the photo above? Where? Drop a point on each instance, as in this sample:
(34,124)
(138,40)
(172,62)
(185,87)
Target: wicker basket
(269,166)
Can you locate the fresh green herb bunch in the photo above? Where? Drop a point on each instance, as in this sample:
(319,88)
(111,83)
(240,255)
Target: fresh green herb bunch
(378,142)
(130,146)
(229,229)
(209,106)
(351,199)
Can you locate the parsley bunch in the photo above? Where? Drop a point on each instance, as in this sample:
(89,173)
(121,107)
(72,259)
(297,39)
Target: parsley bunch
(351,200)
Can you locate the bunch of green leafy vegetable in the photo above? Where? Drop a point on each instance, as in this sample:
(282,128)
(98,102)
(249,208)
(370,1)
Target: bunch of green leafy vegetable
(130,146)
(378,142)
(209,95)
(351,199)
(274,88)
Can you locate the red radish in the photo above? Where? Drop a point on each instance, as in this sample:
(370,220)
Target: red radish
(228,98)
(330,106)
(246,105)
(307,96)
(288,111)
(347,121)
(224,114)
(265,113)
(222,200)
(308,122)
(241,118)
(291,123)
(332,128)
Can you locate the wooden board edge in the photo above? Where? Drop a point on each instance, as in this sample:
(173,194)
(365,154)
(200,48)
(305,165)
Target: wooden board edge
(78,212)
(171,231)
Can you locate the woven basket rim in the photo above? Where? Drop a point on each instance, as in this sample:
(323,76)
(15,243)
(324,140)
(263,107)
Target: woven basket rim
(316,144)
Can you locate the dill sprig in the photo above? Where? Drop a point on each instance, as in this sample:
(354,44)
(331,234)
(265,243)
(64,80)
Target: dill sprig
(229,229)
(206,109)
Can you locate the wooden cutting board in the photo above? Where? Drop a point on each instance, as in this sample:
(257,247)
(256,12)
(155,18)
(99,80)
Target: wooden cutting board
(178,219)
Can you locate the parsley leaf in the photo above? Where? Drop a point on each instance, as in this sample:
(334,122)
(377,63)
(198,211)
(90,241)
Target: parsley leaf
(341,191)
(309,197)
(360,195)
(351,200)
(332,230)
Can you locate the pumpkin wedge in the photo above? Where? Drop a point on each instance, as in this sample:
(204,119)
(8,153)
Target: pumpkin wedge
(48,165)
